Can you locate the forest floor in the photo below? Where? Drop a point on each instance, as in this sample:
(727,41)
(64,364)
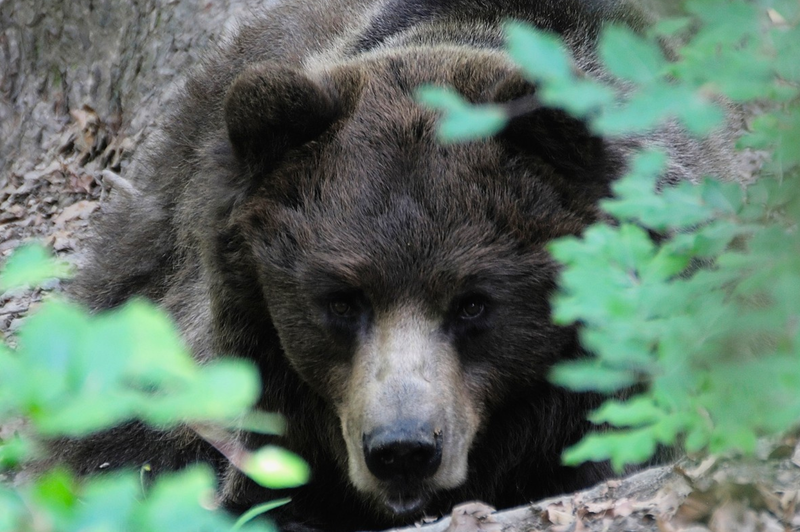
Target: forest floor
(56,200)
(53,203)
(711,494)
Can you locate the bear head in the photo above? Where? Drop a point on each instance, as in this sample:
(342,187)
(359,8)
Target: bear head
(406,280)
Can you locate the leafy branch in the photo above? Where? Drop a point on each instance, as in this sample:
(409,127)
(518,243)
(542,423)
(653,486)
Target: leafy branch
(705,318)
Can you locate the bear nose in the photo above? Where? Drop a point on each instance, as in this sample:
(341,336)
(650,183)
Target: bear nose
(403,452)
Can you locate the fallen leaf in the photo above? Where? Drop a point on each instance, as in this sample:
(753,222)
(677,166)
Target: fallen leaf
(14,212)
(696,507)
(473,517)
(560,513)
(81,209)
(80,182)
(702,468)
(13,307)
(664,525)
(623,508)
(769,499)
(598,507)
(776,18)
(733,516)
(63,243)
(84,116)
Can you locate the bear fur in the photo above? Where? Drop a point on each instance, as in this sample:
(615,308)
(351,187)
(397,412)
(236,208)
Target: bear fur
(297,210)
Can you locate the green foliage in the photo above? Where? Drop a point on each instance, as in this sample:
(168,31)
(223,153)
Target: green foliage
(73,373)
(690,299)
(461,121)
(258,510)
(277,468)
(177,502)
(30,266)
(717,344)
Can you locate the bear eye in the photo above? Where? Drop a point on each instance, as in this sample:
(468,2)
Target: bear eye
(341,308)
(470,309)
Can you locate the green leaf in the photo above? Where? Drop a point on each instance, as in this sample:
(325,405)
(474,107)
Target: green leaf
(590,376)
(787,52)
(739,438)
(724,198)
(107,503)
(629,56)
(671,26)
(678,207)
(30,265)
(258,510)
(462,121)
(635,412)
(741,73)
(51,338)
(276,468)
(713,238)
(699,114)
(222,389)
(261,423)
(622,448)
(788,9)
(12,510)
(541,54)
(578,97)
(634,193)
(144,343)
(176,503)
(643,111)
(472,123)
(664,265)
(15,450)
(76,374)
(724,22)
(764,132)
(55,491)
(82,415)
(635,248)
(788,137)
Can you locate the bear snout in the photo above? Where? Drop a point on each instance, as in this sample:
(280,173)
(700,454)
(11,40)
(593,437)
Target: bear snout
(407,451)
(408,419)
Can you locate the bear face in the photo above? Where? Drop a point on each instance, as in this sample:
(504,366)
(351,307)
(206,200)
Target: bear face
(407,280)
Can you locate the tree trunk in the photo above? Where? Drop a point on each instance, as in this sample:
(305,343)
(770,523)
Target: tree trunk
(118,58)
(82,83)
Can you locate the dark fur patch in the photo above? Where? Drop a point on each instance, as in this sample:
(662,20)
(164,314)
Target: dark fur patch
(270,109)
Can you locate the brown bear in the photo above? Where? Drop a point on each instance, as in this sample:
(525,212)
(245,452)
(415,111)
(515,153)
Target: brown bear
(298,211)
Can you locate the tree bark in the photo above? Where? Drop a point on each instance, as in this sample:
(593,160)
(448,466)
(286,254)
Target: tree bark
(119,58)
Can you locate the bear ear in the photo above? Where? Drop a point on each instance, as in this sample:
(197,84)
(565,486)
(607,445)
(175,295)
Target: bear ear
(552,135)
(270,109)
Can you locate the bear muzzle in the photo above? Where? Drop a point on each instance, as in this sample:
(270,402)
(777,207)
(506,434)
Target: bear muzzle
(406,451)
(408,419)
(403,456)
